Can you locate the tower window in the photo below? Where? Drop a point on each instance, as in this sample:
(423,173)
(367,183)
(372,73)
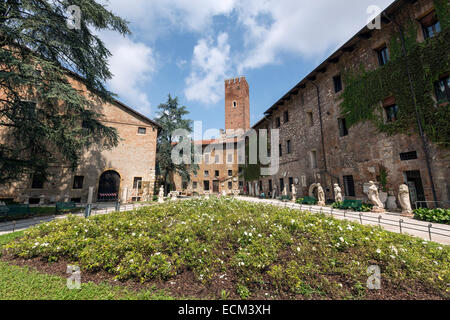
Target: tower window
(310,118)
(343,130)
(281,150)
(286,116)
(391,113)
(137,183)
(38,181)
(313,159)
(430,25)
(142,131)
(78,182)
(278,122)
(234,104)
(408,156)
(288,146)
(337,83)
(383,56)
(349,184)
(442,88)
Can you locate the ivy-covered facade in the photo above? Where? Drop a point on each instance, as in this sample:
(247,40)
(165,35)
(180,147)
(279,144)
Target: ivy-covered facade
(356,117)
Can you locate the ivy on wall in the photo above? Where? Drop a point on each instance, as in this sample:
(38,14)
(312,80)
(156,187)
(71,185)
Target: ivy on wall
(428,61)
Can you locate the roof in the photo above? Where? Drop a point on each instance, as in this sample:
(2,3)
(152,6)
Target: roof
(364,33)
(120,103)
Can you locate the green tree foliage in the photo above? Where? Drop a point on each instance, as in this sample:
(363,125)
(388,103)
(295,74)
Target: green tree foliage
(42,116)
(170,118)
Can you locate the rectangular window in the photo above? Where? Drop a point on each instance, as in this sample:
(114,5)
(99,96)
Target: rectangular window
(343,131)
(313,159)
(270,186)
(281,150)
(230,185)
(310,119)
(291,182)
(430,25)
(142,131)
(337,83)
(391,113)
(278,122)
(288,147)
(383,56)
(137,183)
(38,181)
(282,185)
(230,158)
(230,173)
(349,185)
(206,185)
(206,173)
(442,88)
(195,185)
(286,116)
(217,173)
(408,156)
(78,182)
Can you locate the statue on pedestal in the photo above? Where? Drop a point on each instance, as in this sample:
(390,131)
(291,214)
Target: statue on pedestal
(338,193)
(374,197)
(294,193)
(321,196)
(161,195)
(405,201)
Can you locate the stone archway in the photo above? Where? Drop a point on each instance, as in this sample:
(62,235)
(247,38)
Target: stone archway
(109,186)
(313,190)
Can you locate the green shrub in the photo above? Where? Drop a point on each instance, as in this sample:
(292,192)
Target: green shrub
(433,215)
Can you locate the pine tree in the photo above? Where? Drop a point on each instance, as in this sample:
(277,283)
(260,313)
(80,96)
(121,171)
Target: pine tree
(42,116)
(171,118)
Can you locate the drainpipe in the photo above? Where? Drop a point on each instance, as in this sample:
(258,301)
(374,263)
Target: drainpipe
(413,94)
(319,103)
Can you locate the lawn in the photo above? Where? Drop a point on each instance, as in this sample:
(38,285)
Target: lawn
(222,248)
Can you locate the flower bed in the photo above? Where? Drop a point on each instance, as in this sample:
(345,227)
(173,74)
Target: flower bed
(243,250)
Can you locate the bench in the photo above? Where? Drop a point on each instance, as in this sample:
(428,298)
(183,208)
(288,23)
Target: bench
(65,206)
(14,211)
(352,204)
(309,200)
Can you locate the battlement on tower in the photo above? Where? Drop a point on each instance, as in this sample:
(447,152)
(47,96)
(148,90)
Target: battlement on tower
(236,81)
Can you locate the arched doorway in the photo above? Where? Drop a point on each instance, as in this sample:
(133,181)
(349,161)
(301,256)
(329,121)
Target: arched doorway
(109,186)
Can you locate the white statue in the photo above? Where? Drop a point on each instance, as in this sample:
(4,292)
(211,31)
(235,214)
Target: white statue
(285,191)
(338,193)
(294,193)
(161,195)
(405,201)
(321,195)
(374,197)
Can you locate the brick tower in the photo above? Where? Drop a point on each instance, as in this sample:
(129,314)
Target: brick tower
(237,104)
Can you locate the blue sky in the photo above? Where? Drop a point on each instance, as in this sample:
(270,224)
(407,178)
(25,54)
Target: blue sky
(188,49)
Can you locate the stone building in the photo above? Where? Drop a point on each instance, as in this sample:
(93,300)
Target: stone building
(219,170)
(317,146)
(126,172)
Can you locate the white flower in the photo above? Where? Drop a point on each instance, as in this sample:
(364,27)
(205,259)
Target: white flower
(157,254)
(342,239)
(379,251)
(187,240)
(298,249)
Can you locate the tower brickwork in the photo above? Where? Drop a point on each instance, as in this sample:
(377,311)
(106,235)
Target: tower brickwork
(237,104)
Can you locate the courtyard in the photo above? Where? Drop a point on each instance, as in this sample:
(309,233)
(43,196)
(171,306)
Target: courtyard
(223,248)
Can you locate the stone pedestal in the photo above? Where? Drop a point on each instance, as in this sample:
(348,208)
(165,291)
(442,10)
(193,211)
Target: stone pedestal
(391,203)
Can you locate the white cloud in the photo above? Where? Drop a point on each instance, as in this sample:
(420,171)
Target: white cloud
(305,28)
(132,64)
(158,17)
(210,66)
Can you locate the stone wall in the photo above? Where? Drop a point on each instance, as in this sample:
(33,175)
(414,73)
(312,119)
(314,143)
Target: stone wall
(363,152)
(134,157)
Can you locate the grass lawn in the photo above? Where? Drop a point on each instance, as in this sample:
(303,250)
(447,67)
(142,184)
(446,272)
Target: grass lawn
(222,248)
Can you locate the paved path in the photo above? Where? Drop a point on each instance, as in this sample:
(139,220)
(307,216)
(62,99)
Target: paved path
(389,221)
(103,208)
